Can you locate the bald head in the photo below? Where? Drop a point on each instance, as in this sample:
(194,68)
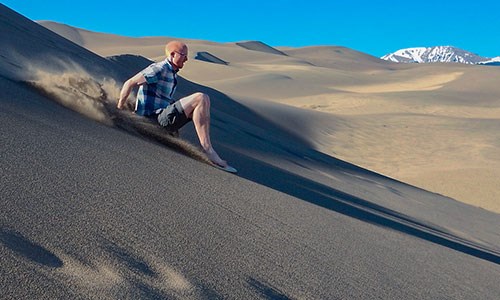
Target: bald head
(176,53)
(175,46)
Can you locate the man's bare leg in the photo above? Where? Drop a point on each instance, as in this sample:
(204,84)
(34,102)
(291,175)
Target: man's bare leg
(197,107)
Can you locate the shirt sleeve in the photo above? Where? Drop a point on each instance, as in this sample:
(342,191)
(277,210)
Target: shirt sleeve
(151,73)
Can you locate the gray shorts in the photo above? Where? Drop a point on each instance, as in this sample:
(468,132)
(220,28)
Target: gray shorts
(173,117)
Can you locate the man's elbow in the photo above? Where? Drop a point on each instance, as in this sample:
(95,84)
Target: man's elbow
(126,85)
(137,80)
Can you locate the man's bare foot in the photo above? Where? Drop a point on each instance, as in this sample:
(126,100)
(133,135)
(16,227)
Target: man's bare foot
(214,158)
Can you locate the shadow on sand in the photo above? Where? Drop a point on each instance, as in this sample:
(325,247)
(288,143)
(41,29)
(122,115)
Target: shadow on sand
(265,291)
(354,207)
(28,249)
(293,148)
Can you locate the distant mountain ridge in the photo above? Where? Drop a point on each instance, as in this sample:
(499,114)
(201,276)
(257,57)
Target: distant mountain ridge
(448,54)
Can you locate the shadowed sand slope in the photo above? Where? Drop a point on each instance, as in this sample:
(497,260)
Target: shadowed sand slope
(99,210)
(205,56)
(259,46)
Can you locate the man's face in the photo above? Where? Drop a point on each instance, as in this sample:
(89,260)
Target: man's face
(180,57)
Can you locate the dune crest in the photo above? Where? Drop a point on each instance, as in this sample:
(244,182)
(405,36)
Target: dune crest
(425,83)
(208,57)
(260,46)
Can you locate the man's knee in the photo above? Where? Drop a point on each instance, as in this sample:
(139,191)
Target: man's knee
(202,98)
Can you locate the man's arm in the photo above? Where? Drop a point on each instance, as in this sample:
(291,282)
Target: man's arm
(137,80)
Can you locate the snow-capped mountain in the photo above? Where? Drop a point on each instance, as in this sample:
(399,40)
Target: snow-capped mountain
(435,54)
(495,61)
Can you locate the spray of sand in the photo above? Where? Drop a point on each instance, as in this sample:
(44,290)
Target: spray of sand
(77,90)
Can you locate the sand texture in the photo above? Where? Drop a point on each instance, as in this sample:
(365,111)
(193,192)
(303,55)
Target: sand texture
(357,178)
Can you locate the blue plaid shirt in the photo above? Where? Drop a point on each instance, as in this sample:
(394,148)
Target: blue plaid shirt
(157,94)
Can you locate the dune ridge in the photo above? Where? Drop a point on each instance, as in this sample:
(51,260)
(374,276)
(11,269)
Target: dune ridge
(428,83)
(260,46)
(205,56)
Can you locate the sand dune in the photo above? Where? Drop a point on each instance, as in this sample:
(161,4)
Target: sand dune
(380,89)
(116,210)
(317,78)
(427,83)
(205,56)
(259,46)
(342,58)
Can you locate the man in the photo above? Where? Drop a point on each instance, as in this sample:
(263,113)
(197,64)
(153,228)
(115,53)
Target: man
(157,84)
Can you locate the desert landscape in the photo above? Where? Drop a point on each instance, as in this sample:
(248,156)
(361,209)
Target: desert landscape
(358,178)
(432,126)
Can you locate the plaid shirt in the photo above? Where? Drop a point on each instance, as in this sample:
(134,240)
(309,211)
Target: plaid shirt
(156,94)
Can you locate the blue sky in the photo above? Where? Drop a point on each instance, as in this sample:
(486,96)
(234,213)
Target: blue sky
(374,27)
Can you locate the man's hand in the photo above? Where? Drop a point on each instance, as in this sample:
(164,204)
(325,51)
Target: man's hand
(120,104)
